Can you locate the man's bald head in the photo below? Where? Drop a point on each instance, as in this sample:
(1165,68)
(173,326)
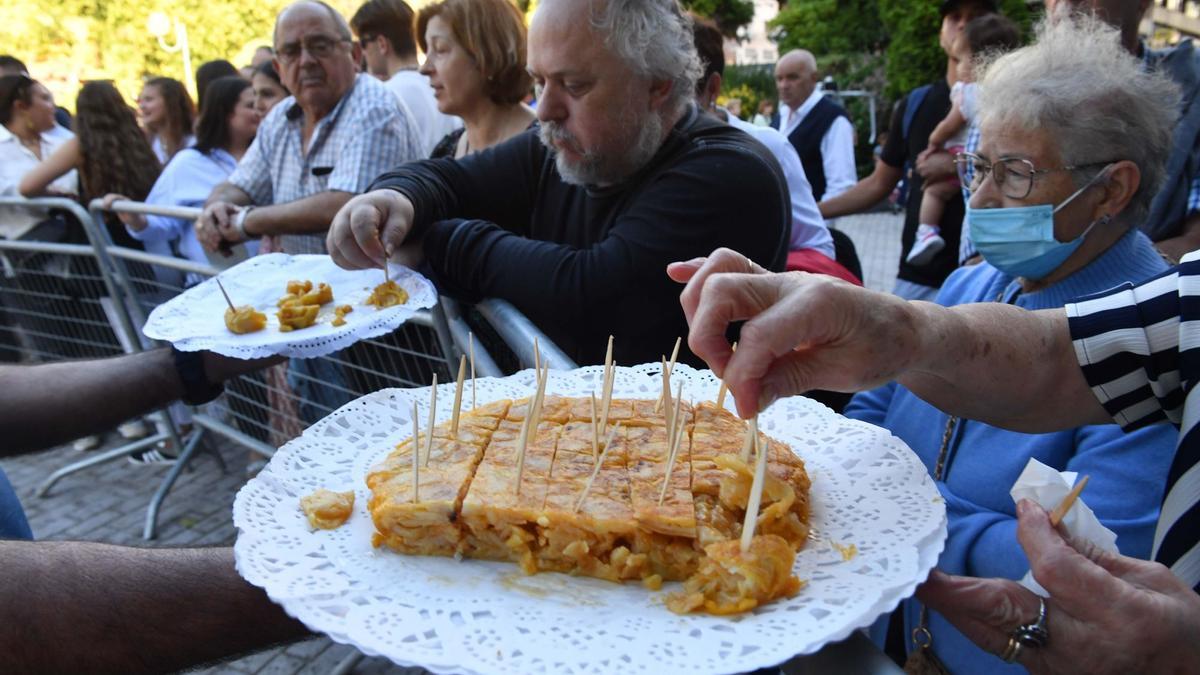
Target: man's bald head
(796,77)
(337,22)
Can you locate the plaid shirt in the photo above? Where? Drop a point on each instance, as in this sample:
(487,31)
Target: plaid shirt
(366,134)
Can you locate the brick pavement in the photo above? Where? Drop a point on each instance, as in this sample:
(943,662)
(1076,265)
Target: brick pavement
(107,503)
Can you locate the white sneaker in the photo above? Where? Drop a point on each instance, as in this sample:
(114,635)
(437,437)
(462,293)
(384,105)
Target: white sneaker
(86,443)
(133,429)
(927,244)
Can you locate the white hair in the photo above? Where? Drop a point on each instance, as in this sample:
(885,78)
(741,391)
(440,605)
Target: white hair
(1078,83)
(654,38)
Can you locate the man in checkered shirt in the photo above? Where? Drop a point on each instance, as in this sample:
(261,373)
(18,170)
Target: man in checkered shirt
(315,150)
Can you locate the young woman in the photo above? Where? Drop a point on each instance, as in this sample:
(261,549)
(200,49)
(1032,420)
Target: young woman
(109,151)
(268,88)
(167,116)
(226,128)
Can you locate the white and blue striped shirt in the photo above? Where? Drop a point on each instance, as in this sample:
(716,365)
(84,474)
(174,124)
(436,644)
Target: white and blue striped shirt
(366,134)
(1139,348)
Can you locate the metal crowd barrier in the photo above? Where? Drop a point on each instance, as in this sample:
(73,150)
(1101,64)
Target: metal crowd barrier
(67,301)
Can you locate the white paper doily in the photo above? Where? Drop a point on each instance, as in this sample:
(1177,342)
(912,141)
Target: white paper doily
(868,489)
(195,319)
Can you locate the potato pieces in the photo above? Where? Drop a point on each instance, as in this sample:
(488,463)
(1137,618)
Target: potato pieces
(387,294)
(244,319)
(326,509)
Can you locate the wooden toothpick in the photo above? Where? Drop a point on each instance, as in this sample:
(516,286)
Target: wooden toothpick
(610,374)
(595,471)
(673,448)
(724,388)
(667,370)
(751,439)
(537,357)
(756,490)
(595,430)
(1065,505)
(529,429)
(222,287)
(432,412)
(471,348)
(416,451)
(665,394)
(673,414)
(462,373)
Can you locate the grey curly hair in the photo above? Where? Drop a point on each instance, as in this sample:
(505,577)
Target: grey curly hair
(654,38)
(1077,82)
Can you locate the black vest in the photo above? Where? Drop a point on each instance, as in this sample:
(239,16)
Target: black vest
(806,138)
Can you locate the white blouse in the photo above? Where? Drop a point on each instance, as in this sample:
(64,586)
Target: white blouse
(16,160)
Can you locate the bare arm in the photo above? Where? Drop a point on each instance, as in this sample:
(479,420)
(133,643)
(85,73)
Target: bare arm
(50,169)
(228,193)
(83,607)
(1186,241)
(992,362)
(311,215)
(950,125)
(866,193)
(1003,365)
(35,400)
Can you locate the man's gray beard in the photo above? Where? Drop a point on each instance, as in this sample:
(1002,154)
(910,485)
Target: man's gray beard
(596,170)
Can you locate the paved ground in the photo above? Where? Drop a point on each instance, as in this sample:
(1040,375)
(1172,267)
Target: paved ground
(107,503)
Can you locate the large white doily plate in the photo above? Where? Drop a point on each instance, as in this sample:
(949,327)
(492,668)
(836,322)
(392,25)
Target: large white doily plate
(195,319)
(868,489)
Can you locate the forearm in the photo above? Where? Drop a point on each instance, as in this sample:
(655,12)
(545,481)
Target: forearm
(43,405)
(81,607)
(228,192)
(311,215)
(1002,365)
(1185,242)
(866,193)
(946,129)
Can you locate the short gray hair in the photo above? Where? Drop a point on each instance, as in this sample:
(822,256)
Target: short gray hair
(1077,82)
(339,21)
(654,38)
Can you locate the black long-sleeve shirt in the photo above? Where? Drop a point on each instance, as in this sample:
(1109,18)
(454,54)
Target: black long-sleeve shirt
(583,263)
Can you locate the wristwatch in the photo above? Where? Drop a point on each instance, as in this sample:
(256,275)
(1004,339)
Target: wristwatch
(239,223)
(197,390)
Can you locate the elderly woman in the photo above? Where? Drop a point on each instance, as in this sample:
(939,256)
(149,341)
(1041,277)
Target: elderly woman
(475,60)
(1073,140)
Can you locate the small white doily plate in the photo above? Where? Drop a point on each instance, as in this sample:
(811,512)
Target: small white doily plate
(868,489)
(195,319)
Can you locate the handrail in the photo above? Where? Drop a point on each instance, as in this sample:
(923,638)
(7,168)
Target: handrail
(100,241)
(128,206)
(518,333)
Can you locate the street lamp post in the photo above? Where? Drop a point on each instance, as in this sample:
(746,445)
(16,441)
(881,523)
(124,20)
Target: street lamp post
(159,25)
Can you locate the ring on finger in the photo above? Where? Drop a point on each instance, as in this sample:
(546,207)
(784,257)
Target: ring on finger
(1034,634)
(1013,651)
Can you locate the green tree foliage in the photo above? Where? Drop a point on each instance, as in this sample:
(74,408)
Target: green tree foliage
(830,26)
(66,42)
(904,32)
(729,15)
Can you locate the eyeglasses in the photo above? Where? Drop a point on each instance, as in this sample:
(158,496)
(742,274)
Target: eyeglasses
(1014,176)
(319,47)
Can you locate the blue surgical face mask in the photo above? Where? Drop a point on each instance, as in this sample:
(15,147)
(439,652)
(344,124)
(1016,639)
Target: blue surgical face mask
(1019,241)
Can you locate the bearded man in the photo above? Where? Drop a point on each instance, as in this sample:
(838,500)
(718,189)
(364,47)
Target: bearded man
(575,221)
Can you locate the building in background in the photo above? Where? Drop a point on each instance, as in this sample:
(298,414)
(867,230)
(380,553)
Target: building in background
(753,44)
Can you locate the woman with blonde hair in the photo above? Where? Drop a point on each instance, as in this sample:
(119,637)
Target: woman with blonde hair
(475,60)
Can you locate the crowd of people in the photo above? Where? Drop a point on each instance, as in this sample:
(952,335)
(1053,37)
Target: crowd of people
(569,167)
